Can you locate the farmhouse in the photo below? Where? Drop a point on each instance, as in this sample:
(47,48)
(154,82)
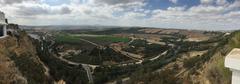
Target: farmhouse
(3,25)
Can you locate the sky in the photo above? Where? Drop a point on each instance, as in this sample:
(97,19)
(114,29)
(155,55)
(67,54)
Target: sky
(182,14)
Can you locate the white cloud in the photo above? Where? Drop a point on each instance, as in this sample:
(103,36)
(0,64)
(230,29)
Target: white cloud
(198,17)
(124,13)
(207,1)
(221,2)
(235,5)
(207,9)
(114,2)
(4,2)
(174,1)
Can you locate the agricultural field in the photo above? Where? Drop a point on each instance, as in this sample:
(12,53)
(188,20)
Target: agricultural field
(104,39)
(135,49)
(70,42)
(83,48)
(76,38)
(97,57)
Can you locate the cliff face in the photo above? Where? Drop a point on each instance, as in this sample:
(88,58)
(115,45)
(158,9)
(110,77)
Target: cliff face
(19,62)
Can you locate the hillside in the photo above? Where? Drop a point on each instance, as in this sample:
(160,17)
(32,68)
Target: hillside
(207,68)
(25,60)
(213,71)
(32,61)
(19,61)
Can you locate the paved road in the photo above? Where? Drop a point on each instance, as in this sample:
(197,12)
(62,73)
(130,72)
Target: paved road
(89,73)
(85,66)
(100,46)
(132,39)
(156,42)
(164,53)
(130,55)
(148,40)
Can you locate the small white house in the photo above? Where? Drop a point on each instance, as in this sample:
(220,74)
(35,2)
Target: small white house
(3,25)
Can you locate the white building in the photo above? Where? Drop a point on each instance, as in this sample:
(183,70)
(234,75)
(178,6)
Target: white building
(3,25)
(232,61)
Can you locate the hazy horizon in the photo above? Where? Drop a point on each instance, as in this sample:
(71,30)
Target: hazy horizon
(112,27)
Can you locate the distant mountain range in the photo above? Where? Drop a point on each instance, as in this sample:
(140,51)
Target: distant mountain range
(98,27)
(72,27)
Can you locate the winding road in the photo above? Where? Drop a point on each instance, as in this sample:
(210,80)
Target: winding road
(164,53)
(130,55)
(86,67)
(89,73)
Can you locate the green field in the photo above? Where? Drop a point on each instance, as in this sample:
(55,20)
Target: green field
(101,39)
(65,38)
(108,38)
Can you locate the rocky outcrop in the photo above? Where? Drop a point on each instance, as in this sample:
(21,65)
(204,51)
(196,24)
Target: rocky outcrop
(19,63)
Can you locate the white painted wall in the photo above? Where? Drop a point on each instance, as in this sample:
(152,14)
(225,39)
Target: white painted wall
(2,18)
(235,76)
(232,61)
(2,22)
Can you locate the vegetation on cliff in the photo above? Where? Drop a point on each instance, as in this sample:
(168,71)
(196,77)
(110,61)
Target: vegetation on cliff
(20,50)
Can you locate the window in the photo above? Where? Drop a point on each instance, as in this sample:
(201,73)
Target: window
(1,30)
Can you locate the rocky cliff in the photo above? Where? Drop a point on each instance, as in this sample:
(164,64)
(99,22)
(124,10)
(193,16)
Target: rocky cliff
(19,63)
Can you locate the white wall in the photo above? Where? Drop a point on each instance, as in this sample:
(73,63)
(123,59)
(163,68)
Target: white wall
(2,22)
(232,61)
(2,18)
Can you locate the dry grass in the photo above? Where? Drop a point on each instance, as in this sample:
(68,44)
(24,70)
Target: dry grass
(9,73)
